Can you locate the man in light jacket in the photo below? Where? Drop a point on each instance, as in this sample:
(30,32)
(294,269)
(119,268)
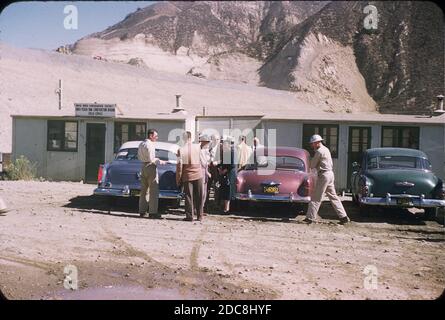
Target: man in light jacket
(322,163)
(149,196)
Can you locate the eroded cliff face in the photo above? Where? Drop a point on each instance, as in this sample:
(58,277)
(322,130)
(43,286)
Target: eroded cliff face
(318,50)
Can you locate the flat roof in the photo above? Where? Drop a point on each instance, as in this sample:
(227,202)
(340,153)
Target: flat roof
(361,117)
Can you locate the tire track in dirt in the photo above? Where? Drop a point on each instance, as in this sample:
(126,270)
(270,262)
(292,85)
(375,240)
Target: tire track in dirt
(48,268)
(27,262)
(242,281)
(194,255)
(127,249)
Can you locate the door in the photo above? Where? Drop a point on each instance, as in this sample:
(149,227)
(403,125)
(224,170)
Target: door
(95,150)
(359,142)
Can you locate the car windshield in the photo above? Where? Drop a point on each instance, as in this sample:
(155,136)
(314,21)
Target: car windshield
(132,154)
(398,162)
(279,162)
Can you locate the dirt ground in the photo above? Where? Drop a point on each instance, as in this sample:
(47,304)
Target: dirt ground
(265,253)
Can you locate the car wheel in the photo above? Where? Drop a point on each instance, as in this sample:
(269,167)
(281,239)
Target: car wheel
(238,206)
(430,214)
(112,201)
(364,210)
(354,199)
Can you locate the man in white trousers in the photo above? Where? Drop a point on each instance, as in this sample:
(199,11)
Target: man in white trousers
(322,162)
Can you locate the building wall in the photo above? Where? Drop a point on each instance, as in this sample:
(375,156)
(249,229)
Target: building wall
(432,142)
(242,126)
(166,128)
(30,140)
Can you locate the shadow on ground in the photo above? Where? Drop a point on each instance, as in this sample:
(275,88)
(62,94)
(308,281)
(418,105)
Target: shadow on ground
(122,207)
(275,212)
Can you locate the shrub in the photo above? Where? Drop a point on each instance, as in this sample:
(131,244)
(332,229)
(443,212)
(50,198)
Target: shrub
(21,169)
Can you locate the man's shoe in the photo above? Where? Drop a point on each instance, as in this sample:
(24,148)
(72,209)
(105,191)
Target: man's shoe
(345,220)
(154,216)
(143,215)
(308,221)
(187,219)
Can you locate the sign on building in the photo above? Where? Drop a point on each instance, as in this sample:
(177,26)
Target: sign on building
(95,110)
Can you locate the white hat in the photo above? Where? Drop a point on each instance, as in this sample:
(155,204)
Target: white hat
(315,138)
(204,138)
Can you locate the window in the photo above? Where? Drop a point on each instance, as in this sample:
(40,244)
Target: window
(400,137)
(279,162)
(398,162)
(128,131)
(62,135)
(328,132)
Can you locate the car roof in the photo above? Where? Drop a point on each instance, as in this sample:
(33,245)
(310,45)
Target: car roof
(395,152)
(173,147)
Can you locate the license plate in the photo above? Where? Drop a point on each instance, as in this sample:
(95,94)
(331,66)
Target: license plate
(271,189)
(404,202)
(135,193)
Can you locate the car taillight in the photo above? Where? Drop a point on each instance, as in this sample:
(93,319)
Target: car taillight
(442,194)
(100,173)
(304,188)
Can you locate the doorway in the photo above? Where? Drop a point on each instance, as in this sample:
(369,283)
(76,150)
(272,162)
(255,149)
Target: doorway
(359,142)
(94,151)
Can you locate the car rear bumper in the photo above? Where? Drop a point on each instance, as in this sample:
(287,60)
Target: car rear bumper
(403,201)
(163,194)
(271,198)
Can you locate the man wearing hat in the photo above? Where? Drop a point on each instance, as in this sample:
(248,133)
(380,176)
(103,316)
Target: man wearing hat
(322,162)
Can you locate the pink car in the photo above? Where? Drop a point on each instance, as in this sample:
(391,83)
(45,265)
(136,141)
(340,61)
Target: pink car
(290,181)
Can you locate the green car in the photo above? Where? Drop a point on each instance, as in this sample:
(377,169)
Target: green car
(397,177)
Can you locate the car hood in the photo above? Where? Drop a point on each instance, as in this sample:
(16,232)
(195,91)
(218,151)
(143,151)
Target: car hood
(401,181)
(127,172)
(288,180)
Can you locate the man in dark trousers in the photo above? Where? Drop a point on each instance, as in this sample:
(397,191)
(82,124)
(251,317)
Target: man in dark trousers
(189,174)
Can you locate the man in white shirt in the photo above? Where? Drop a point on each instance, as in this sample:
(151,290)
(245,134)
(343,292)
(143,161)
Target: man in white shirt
(322,163)
(244,153)
(205,161)
(149,196)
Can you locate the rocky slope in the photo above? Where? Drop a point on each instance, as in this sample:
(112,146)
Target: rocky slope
(318,50)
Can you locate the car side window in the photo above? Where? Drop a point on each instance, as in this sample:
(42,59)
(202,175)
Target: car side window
(372,163)
(426,164)
(165,155)
(127,154)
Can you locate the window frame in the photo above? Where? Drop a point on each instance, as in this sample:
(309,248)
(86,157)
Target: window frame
(326,142)
(63,147)
(131,133)
(399,130)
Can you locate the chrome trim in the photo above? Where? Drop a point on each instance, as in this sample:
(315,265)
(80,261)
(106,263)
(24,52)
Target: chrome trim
(391,200)
(271,198)
(404,184)
(163,194)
